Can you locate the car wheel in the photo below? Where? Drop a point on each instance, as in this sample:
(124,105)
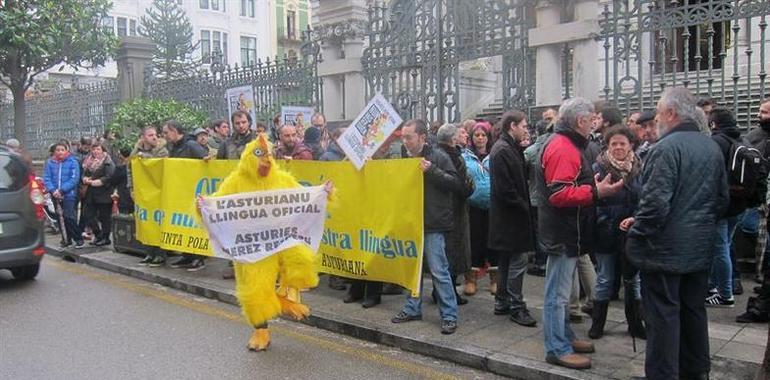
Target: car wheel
(26,272)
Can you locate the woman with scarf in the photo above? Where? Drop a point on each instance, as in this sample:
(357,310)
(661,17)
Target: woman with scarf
(97,202)
(620,162)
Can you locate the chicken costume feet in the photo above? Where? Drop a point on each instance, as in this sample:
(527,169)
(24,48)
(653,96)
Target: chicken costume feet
(260,339)
(291,306)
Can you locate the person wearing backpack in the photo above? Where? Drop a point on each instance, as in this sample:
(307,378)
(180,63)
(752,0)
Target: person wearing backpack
(746,176)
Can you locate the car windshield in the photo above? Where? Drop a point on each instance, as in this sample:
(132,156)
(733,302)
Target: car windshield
(13,173)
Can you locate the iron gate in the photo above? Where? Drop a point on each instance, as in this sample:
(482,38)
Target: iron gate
(416,46)
(717,48)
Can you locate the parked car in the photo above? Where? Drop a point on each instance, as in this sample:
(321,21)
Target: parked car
(21,217)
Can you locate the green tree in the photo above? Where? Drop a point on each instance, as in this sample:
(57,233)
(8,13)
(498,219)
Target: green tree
(167,25)
(131,116)
(36,35)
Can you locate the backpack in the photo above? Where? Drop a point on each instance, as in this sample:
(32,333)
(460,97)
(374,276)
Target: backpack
(481,194)
(746,169)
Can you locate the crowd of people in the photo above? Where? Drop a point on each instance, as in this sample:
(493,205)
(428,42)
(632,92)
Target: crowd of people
(593,200)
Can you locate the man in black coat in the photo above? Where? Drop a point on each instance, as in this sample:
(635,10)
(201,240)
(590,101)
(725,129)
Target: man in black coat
(181,145)
(510,230)
(672,234)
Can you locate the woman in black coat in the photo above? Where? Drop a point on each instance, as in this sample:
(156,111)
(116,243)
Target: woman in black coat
(97,203)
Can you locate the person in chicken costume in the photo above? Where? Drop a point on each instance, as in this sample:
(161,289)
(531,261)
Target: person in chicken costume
(293,268)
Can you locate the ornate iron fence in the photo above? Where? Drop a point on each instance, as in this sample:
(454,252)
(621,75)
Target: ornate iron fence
(717,48)
(278,82)
(82,110)
(416,46)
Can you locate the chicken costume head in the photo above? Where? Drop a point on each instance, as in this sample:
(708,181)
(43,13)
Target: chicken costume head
(257,159)
(257,170)
(293,268)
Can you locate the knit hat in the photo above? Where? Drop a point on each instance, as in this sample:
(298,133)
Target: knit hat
(483,125)
(312,135)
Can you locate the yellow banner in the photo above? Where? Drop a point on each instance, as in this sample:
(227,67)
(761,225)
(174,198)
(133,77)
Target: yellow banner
(374,230)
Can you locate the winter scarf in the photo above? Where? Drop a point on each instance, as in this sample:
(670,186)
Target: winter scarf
(619,169)
(92,163)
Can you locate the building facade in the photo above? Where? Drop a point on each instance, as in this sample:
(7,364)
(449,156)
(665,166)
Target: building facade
(292,17)
(242,31)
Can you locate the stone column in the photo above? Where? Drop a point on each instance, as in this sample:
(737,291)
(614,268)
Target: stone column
(585,66)
(134,57)
(339,24)
(548,71)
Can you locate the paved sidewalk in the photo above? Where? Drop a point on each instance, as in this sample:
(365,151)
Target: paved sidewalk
(483,340)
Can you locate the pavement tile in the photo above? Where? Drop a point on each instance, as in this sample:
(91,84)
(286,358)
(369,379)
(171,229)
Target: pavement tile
(742,351)
(715,345)
(750,335)
(722,331)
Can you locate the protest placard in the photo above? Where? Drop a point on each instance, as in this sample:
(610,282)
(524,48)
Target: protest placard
(296,115)
(249,227)
(369,130)
(241,99)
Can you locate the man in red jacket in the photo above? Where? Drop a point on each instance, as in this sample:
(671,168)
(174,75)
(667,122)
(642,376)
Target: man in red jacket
(567,189)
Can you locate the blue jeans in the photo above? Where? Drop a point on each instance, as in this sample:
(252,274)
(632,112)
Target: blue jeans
(722,267)
(748,221)
(607,267)
(435,255)
(69,213)
(557,332)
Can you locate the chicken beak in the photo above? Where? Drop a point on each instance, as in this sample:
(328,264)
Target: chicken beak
(264,169)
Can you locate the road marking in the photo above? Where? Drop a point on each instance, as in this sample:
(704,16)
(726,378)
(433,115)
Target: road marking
(200,307)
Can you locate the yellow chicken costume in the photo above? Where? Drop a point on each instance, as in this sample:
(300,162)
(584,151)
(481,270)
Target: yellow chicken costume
(255,283)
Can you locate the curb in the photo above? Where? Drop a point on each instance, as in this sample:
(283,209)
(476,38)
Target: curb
(508,365)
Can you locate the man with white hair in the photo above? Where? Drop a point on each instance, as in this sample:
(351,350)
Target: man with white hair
(13,143)
(567,189)
(15,146)
(672,235)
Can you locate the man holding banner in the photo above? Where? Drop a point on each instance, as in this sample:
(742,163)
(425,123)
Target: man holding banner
(440,178)
(232,147)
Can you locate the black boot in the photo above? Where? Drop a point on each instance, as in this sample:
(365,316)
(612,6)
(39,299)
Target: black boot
(598,319)
(460,300)
(635,318)
(372,294)
(355,292)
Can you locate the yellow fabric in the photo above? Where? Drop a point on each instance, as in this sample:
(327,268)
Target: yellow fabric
(255,282)
(373,230)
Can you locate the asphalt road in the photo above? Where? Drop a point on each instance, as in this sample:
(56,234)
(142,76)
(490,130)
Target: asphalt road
(77,322)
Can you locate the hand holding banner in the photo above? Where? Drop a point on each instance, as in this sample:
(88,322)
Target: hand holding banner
(249,227)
